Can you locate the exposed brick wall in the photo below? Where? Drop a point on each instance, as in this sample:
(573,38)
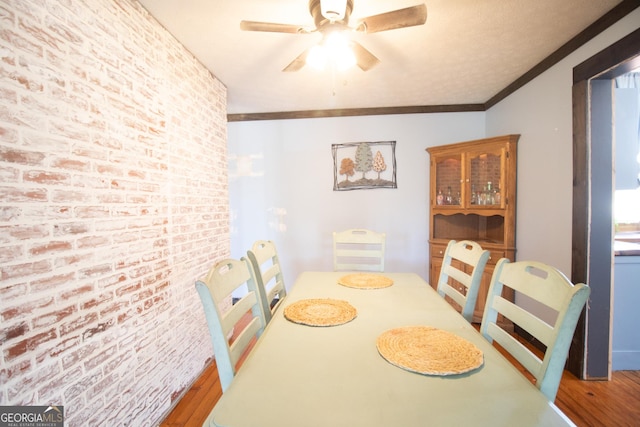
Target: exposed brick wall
(113,200)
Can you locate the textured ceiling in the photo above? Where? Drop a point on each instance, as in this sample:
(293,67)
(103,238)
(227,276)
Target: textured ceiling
(466,53)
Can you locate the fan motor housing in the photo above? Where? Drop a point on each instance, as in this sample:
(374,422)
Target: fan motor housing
(320,21)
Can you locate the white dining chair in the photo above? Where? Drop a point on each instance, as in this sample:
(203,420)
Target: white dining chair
(268,275)
(461,273)
(216,287)
(550,289)
(358,250)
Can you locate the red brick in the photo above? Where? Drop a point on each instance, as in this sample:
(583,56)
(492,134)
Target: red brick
(78,291)
(23,270)
(70,196)
(106,383)
(88,152)
(8,332)
(9,213)
(72,358)
(46,212)
(142,295)
(25,232)
(136,174)
(110,198)
(71,164)
(126,315)
(9,174)
(140,271)
(51,390)
(10,253)
(84,383)
(92,242)
(53,317)
(51,282)
(123,238)
(98,300)
(44,177)
(71,228)
(62,346)
(114,307)
(110,170)
(78,323)
(9,292)
(50,247)
(91,212)
(122,184)
(65,261)
(96,270)
(17,195)
(25,308)
(18,369)
(128,288)
(28,344)
(100,358)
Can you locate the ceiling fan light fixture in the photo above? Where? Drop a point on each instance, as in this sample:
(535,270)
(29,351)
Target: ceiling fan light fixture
(317,57)
(334,50)
(333,10)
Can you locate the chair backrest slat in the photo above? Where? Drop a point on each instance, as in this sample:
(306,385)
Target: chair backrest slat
(267,273)
(358,249)
(551,290)
(461,273)
(214,289)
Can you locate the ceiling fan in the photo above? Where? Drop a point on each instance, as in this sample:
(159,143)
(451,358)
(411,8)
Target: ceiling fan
(332,17)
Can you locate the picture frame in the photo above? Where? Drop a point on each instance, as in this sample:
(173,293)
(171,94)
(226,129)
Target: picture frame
(364,165)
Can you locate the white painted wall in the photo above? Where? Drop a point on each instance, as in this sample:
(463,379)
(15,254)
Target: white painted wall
(541,112)
(289,196)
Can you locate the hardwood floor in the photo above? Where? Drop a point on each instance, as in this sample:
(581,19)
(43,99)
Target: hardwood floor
(586,403)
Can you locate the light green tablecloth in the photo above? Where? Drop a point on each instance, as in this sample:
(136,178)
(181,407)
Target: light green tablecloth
(302,376)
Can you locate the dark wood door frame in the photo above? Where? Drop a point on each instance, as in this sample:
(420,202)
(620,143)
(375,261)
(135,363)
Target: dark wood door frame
(591,248)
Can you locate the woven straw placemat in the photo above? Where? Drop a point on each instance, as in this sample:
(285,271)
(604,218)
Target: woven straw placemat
(320,312)
(430,351)
(365,281)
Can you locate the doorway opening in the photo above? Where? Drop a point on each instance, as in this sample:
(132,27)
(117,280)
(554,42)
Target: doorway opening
(592,237)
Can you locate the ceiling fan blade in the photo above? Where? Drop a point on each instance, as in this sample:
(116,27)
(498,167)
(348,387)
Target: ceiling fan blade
(272,27)
(297,63)
(401,18)
(365,59)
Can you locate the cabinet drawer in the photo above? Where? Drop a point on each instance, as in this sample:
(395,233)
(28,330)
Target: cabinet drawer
(494,256)
(437,251)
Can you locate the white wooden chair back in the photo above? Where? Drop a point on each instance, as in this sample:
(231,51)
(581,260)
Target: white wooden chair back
(218,285)
(358,250)
(461,273)
(553,290)
(268,275)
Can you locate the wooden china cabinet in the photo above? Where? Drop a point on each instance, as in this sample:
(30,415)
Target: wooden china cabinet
(473,197)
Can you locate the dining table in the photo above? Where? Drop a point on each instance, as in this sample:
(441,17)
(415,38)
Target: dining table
(303,376)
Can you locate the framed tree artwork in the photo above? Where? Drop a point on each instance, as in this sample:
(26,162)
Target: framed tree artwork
(363,165)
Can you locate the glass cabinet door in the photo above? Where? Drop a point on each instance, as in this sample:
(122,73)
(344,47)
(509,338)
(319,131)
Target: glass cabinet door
(448,179)
(485,178)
